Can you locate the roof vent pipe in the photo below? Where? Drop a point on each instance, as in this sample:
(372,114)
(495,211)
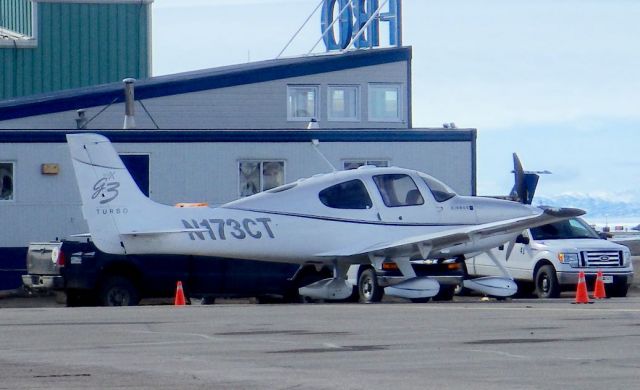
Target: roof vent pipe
(81,120)
(313,124)
(129,115)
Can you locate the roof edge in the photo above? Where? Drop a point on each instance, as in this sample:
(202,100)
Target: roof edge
(188,136)
(187,82)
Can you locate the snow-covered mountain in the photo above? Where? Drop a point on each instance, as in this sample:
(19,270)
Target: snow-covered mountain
(610,206)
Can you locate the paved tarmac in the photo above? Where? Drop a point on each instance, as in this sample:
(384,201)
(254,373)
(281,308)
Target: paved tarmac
(465,344)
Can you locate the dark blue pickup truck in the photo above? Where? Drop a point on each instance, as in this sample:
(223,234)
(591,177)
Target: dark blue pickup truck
(91,277)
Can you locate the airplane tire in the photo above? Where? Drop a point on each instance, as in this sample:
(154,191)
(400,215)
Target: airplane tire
(119,291)
(446,293)
(547,285)
(368,287)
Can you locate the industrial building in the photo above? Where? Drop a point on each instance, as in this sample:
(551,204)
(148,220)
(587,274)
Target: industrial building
(50,45)
(215,135)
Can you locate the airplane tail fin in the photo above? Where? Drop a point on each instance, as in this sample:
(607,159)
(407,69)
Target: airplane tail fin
(525,183)
(108,192)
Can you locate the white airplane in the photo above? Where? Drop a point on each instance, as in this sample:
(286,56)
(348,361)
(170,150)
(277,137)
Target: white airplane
(364,216)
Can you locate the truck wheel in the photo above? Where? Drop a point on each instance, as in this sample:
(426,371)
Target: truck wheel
(547,285)
(446,293)
(617,290)
(119,291)
(368,287)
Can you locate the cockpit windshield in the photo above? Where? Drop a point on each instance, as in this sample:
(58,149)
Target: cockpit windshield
(440,191)
(569,228)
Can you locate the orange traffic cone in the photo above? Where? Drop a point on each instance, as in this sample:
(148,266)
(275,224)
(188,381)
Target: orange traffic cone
(179,301)
(581,292)
(598,291)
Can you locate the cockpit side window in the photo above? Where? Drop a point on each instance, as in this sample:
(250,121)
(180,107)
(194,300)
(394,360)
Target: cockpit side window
(398,190)
(348,195)
(440,191)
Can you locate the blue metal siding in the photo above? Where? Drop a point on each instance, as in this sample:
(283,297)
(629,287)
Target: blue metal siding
(79,44)
(15,15)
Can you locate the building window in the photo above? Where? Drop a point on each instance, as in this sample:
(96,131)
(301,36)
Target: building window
(343,103)
(302,102)
(354,164)
(6,181)
(385,103)
(257,176)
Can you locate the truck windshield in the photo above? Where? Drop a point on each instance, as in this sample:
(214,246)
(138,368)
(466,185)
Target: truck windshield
(570,228)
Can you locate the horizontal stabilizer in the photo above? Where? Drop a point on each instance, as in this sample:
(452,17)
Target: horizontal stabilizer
(492,285)
(414,288)
(331,288)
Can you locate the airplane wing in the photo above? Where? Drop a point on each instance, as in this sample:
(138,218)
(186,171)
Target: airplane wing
(440,240)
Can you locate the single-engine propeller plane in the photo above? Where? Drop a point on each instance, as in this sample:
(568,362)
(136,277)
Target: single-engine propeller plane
(365,216)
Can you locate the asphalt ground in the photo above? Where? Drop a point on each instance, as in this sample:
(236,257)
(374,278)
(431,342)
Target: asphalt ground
(465,344)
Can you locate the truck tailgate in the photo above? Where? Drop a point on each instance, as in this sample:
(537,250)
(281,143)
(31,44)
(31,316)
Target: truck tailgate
(42,258)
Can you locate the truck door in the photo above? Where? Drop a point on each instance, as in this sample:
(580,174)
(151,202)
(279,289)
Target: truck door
(520,262)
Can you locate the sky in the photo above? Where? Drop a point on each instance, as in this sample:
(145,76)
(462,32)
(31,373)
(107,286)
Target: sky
(556,81)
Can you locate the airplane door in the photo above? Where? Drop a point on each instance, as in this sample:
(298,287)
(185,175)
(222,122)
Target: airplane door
(401,201)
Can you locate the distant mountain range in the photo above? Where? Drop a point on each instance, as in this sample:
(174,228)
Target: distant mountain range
(596,206)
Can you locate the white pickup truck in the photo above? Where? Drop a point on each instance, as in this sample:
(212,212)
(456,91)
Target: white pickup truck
(547,260)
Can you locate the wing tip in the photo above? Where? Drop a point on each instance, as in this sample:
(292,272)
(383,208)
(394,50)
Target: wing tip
(563,212)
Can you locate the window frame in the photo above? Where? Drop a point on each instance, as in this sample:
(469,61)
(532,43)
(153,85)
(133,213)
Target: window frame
(316,102)
(12,164)
(400,107)
(261,168)
(330,89)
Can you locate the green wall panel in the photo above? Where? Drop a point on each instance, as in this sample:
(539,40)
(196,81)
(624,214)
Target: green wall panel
(79,44)
(15,15)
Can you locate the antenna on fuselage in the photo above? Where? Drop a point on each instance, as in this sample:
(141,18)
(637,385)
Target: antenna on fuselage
(315,143)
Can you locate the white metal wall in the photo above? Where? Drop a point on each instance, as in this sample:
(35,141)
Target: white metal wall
(46,207)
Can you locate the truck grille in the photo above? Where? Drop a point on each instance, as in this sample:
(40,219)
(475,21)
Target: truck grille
(601,258)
